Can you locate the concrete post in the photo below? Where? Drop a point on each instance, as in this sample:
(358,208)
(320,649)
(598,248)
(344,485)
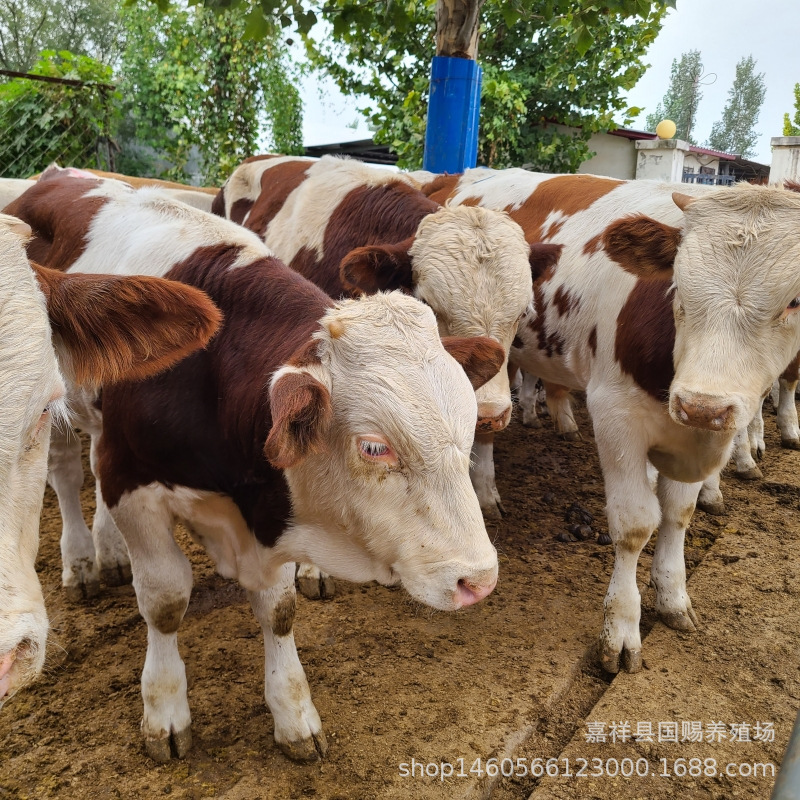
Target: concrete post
(785,159)
(660,159)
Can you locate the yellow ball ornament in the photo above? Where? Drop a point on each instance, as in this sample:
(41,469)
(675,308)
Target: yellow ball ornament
(665,129)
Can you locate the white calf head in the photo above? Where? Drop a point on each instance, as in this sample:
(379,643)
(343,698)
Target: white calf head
(471,266)
(737,295)
(374,425)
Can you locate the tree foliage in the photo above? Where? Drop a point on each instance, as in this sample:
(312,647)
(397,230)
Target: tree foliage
(682,97)
(791,125)
(192,78)
(28,27)
(537,74)
(45,122)
(735,131)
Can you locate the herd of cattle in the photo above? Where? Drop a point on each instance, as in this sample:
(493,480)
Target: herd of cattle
(311,364)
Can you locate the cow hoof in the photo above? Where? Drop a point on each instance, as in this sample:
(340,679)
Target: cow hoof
(571,436)
(752,474)
(118,575)
(176,745)
(316,588)
(493,511)
(717,508)
(530,421)
(610,659)
(305,751)
(791,444)
(680,620)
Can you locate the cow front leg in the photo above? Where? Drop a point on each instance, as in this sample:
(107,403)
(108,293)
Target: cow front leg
(113,560)
(162,578)
(787,414)
(633,514)
(298,729)
(481,473)
(80,576)
(744,465)
(314,583)
(710,498)
(668,572)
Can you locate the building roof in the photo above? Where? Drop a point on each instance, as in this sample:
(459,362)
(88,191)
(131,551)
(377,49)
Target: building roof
(629,133)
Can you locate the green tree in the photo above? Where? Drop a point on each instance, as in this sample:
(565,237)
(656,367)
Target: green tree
(83,27)
(735,132)
(536,75)
(44,121)
(193,78)
(791,127)
(682,97)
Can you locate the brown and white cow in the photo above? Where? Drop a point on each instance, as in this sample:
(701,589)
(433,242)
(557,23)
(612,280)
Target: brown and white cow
(88,329)
(353,228)
(675,314)
(339,433)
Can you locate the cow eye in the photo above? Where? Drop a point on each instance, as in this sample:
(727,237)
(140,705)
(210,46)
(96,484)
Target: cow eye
(376,448)
(795,303)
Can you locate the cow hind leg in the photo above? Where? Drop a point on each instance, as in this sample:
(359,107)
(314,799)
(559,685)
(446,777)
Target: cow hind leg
(162,578)
(314,583)
(787,415)
(560,406)
(113,560)
(527,398)
(481,473)
(298,729)
(80,576)
(668,571)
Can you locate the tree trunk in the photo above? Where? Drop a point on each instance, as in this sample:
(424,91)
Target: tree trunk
(457,28)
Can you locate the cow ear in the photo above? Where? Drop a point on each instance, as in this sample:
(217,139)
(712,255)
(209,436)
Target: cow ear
(108,328)
(642,246)
(378,268)
(543,257)
(480,357)
(301,416)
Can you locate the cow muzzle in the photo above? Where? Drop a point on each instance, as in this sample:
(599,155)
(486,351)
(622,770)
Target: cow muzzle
(473,589)
(703,411)
(488,424)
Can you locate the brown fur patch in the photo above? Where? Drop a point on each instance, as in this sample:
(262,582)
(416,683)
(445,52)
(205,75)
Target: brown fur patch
(565,301)
(277,183)
(645,336)
(549,343)
(480,357)
(239,210)
(306,355)
(641,245)
(593,245)
(441,188)
(59,216)
(283,614)
(593,340)
(792,186)
(568,194)
(543,259)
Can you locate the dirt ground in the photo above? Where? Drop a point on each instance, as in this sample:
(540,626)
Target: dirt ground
(513,676)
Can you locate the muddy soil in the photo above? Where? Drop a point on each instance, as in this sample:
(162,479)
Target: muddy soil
(392,680)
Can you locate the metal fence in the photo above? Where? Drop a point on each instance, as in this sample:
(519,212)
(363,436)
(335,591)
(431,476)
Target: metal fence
(45,119)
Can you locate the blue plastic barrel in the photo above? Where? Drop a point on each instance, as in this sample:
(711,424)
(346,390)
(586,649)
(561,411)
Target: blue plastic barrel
(451,137)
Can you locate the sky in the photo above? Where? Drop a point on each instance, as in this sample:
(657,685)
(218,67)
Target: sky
(723,30)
